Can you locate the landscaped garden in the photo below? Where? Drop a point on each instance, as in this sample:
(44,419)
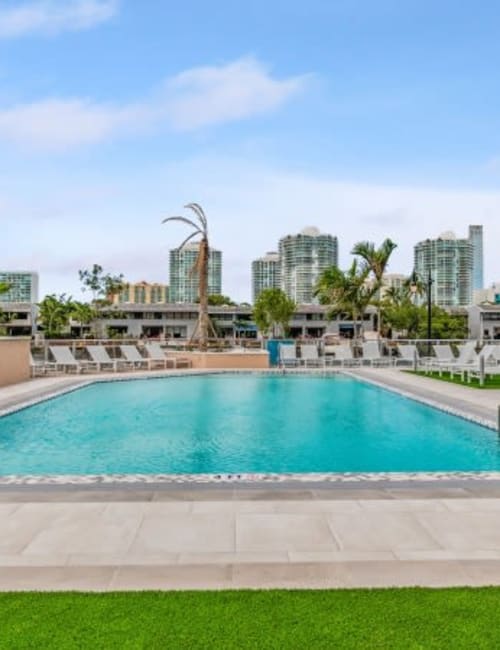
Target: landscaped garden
(489,382)
(358,619)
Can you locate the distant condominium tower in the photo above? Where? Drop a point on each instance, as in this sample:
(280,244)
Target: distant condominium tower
(23,286)
(144,293)
(303,258)
(265,274)
(450,261)
(476,239)
(184,283)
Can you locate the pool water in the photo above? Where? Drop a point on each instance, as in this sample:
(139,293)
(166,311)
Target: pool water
(239,423)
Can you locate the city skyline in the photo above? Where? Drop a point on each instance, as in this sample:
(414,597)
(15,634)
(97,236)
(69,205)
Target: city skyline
(402,142)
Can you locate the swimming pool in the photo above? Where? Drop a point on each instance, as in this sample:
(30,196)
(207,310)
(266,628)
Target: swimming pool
(239,423)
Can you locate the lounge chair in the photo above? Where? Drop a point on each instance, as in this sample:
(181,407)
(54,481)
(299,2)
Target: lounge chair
(100,356)
(134,357)
(407,353)
(466,357)
(64,359)
(40,368)
(472,368)
(343,356)
(309,355)
(371,355)
(287,355)
(157,356)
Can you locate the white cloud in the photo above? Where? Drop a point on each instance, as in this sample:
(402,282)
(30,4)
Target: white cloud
(210,95)
(195,98)
(49,17)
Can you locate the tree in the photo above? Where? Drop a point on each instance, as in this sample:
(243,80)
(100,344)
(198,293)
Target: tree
(218,300)
(82,313)
(102,285)
(346,292)
(273,309)
(376,260)
(54,314)
(200,227)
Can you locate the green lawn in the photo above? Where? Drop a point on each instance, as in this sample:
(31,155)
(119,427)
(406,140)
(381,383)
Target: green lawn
(490,382)
(385,619)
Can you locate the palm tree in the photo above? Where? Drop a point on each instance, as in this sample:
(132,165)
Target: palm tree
(83,314)
(200,227)
(346,292)
(376,260)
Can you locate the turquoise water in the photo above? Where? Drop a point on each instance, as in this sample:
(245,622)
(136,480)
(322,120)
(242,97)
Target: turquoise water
(239,423)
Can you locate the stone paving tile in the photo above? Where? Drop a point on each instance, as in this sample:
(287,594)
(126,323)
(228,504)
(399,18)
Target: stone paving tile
(448,554)
(398,505)
(292,576)
(172,577)
(381,531)
(122,559)
(273,494)
(341,556)
(349,494)
(273,557)
(462,530)
(184,533)
(56,578)
(262,532)
(437,492)
(474,505)
(405,574)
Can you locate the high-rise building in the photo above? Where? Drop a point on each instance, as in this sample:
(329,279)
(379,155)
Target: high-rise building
(142,293)
(23,286)
(265,274)
(184,281)
(450,261)
(303,258)
(476,239)
(392,281)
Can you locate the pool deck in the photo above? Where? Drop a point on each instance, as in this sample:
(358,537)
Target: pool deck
(255,535)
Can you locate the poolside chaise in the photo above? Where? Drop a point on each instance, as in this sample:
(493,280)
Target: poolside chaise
(343,356)
(466,356)
(372,355)
(157,355)
(287,355)
(408,354)
(64,359)
(100,356)
(309,355)
(131,354)
(472,368)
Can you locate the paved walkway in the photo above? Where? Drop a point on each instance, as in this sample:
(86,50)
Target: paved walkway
(319,542)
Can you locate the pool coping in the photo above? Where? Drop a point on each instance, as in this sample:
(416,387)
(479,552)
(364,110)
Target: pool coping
(256,479)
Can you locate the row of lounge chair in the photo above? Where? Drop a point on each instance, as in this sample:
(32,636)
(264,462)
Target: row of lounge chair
(98,359)
(467,363)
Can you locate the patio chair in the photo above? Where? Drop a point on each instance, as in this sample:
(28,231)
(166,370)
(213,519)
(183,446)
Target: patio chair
(100,356)
(371,354)
(467,356)
(40,368)
(134,357)
(343,356)
(64,359)
(287,355)
(407,353)
(157,356)
(473,367)
(309,355)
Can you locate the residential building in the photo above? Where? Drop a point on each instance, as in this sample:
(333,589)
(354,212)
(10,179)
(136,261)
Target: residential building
(142,292)
(23,286)
(184,281)
(450,262)
(489,295)
(265,274)
(476,239)
(484,322)
(177,322)
(392,281)
(303,258)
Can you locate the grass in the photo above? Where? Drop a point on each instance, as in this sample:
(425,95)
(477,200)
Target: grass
(361,619)
(490,382)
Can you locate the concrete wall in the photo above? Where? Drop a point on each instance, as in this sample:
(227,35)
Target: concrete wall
(14,360)
(228,360)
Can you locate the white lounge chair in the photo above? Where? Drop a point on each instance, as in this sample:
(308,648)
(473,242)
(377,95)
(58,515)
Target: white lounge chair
(309,355)
(407,353)
(472,368)
(466,357)
(371,354)
(287,355)
(40,368)
(157,356)
(134,357)
(64,359)
(100,356)
(343,356)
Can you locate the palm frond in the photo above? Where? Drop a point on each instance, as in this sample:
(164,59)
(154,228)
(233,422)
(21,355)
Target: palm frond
(183,219)
(198,210)
(190,236)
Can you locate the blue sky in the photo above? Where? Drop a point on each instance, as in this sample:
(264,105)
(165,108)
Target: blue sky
(366,118)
